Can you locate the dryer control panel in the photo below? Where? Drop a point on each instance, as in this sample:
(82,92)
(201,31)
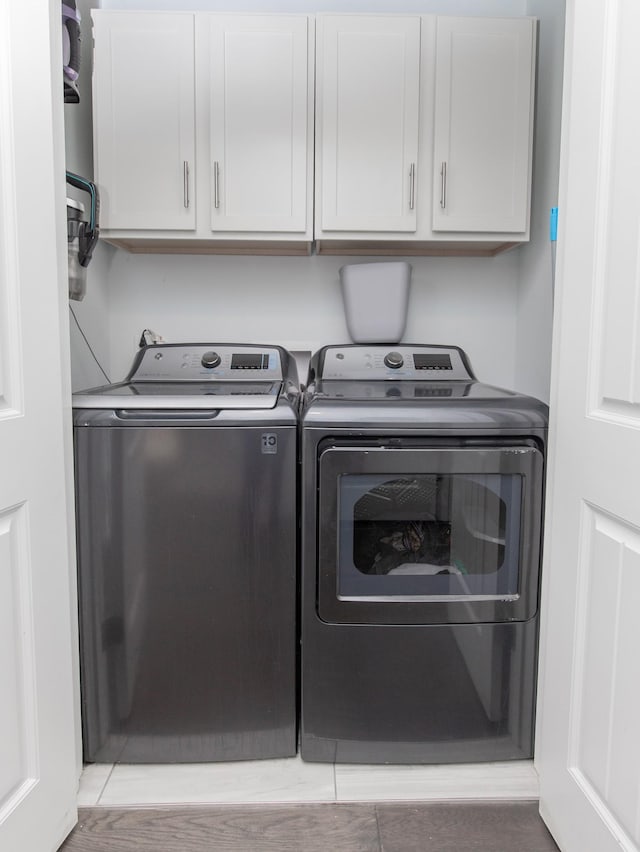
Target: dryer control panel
(400,362)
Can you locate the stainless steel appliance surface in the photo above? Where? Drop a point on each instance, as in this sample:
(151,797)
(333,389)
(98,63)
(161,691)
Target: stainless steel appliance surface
(186,516)
(421,527)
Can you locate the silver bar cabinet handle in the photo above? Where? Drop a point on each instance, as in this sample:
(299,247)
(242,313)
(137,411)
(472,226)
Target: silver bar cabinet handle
(216,185)
(443,185)
(412,186)
(185,182)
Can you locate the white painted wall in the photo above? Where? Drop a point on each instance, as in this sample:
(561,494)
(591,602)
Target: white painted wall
(297,302)
(534,305)
(93,311)
(484,305)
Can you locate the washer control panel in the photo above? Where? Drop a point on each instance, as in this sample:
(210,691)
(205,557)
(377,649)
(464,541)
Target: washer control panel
(379,363)
(201,362)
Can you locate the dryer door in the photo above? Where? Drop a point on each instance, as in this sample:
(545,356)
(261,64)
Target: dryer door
(429,534)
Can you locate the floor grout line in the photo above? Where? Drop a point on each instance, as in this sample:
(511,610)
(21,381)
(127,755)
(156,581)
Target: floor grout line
(375,811)
(104,786)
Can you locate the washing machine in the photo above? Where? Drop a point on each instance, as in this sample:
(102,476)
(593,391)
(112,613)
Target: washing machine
(186,478)
(421,532)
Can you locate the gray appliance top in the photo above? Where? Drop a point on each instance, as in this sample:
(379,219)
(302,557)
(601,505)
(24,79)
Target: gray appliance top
(198,376)
(392,362)
(405,389)
(405,386)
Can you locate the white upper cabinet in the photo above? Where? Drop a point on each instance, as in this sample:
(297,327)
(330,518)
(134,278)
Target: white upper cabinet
(424,133)
(257,84)
(204,130)
(367,90)
(144,130)
(483,124)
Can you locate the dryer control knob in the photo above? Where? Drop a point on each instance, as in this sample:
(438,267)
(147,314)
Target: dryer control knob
(393,360)
(210,360)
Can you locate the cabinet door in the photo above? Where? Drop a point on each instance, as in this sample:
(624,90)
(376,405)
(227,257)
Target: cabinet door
(368,88)
(483,124)
(144,119)
(259,108)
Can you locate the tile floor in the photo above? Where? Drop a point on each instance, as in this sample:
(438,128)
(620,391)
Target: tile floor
(292,780)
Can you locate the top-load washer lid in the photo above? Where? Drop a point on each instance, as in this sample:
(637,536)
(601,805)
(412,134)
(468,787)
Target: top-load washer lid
(193,376)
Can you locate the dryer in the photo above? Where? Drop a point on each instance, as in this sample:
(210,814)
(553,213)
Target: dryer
(421,531)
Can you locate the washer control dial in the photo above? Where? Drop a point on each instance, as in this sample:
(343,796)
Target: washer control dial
(393,360)
(210,360)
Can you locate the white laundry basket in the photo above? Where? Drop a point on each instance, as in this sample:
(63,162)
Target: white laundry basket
(376,296)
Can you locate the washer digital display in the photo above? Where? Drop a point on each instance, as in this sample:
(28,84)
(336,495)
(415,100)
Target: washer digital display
(432,362)
(249,361)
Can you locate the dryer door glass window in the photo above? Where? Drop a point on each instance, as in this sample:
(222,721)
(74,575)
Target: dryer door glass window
(429,534)
(435,535)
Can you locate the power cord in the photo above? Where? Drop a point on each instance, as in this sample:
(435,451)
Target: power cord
(84,337)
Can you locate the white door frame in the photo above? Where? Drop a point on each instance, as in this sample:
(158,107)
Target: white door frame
(39,684)
(587,742)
